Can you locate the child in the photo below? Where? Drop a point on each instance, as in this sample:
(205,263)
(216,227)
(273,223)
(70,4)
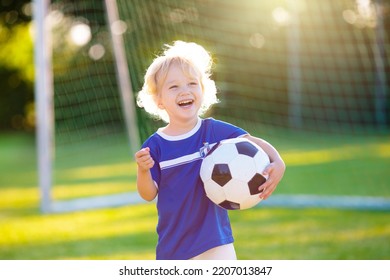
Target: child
(178,89)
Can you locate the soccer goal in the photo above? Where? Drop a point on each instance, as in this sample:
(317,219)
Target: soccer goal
(85,106)
(294,66)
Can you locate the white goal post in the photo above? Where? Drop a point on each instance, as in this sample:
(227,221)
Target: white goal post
(44,93)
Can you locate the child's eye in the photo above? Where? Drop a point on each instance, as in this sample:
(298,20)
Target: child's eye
(173,87)
(193,84)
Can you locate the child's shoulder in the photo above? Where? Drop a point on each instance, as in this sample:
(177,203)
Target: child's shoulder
(222,129)
(216,122)
(150,140)
(211,120)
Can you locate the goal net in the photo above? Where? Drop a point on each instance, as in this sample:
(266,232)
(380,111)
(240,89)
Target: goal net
(313,65)
(303,65)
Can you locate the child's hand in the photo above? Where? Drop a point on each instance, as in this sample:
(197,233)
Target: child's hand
(274,171)
(144,159)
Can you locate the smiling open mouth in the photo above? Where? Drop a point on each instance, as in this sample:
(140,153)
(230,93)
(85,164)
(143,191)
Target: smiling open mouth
(185,103)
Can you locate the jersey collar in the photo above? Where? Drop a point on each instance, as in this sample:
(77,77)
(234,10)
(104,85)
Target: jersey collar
(182,136)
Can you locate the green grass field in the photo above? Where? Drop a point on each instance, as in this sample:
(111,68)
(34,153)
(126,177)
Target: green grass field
(316,164)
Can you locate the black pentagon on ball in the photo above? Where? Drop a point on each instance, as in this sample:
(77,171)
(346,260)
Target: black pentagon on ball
(255,183)
(246,148)
(229,205)
(221,174)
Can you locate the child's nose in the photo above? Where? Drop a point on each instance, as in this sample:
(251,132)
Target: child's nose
(185,89)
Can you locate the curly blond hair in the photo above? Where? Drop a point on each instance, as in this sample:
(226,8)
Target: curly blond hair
(192,58)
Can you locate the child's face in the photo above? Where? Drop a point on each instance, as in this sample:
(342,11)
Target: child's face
(180,94)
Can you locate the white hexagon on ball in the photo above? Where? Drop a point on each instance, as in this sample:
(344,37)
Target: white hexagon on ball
(215,192)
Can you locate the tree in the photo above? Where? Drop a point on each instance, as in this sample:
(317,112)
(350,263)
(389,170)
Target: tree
(16,66)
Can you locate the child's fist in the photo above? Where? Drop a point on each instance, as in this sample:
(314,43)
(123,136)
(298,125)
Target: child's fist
(144,159)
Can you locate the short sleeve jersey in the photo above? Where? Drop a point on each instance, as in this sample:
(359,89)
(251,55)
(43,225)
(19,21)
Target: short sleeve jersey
(188,222)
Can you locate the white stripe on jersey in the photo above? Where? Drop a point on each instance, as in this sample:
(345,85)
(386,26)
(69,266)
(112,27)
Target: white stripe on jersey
(183,159)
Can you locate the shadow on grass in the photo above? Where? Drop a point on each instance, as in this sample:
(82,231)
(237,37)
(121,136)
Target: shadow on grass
(127,246)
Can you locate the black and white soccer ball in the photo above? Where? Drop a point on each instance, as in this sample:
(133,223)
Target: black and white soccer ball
(232,173)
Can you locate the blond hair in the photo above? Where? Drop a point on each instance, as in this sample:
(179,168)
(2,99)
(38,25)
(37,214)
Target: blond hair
(192,58)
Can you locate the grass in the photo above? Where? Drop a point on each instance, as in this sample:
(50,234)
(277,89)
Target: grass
(312,234)
(315,165)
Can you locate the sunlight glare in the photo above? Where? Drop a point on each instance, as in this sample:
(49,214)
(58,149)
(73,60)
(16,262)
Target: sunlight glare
(55,18)
(257,40)
(96,52)
(349,16)
(119,27)
(281,16)
(80,34)
(364,15)
(364,7)
(333,154)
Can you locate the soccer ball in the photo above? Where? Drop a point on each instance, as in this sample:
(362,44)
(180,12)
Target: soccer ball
(231,173)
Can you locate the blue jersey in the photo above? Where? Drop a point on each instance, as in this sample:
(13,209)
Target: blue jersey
(188,222)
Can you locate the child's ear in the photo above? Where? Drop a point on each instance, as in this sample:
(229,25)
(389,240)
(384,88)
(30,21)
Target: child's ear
(159,103)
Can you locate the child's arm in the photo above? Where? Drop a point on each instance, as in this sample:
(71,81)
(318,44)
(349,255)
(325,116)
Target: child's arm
(145,184)
(274,170)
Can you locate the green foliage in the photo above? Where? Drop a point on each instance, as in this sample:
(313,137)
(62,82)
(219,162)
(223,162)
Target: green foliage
(16,50)
(16,66)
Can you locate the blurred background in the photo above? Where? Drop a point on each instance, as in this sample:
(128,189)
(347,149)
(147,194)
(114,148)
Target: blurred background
(311,77)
